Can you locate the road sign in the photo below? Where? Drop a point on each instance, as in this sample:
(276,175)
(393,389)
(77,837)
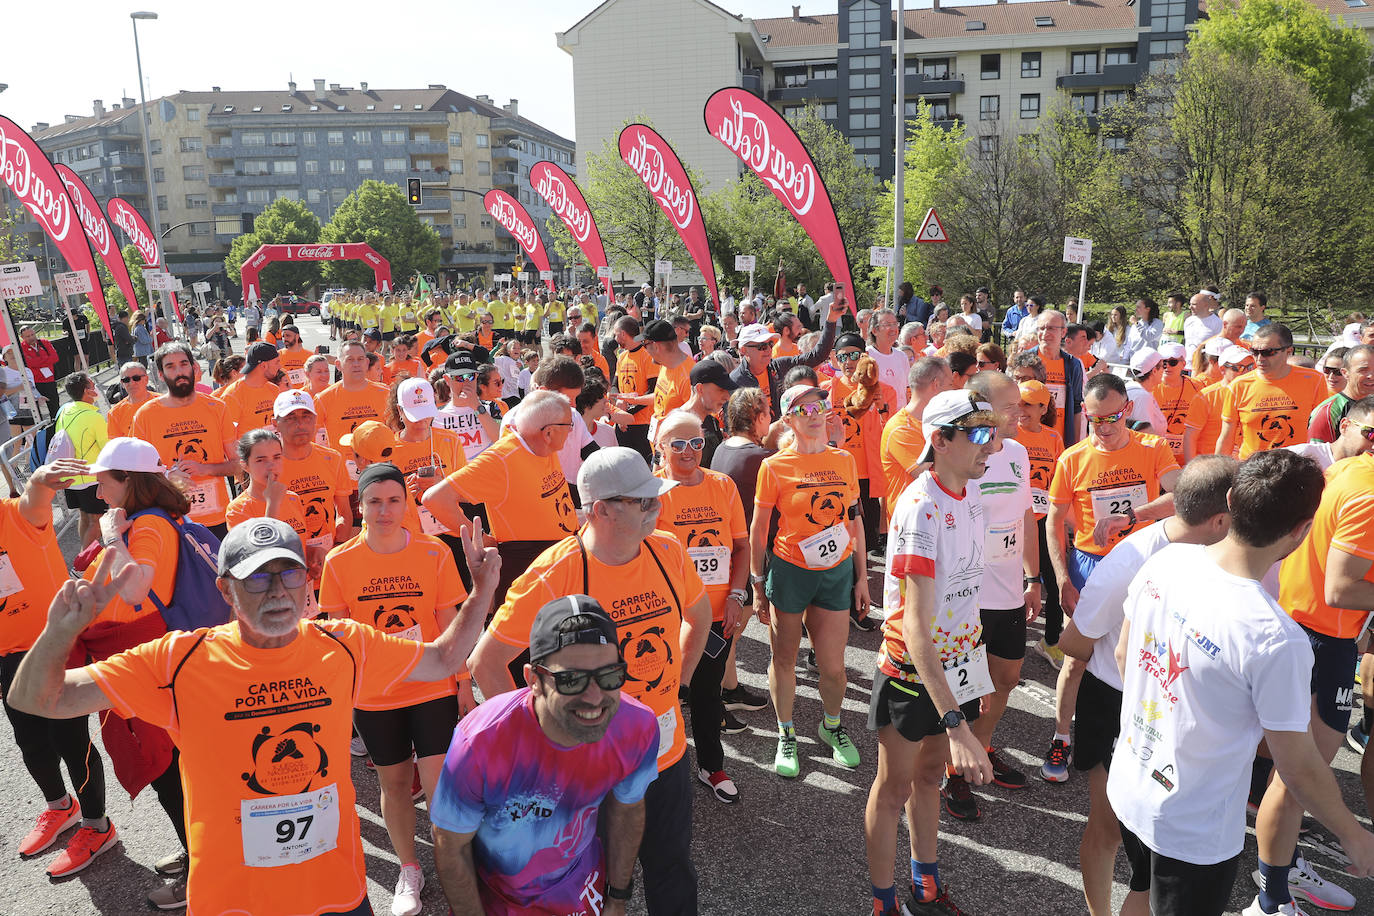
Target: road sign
(19,281)
(1077,251)
(663,267)
(73,283)
(546,275)
(200,287)
(501,278)
(879,256)
(603,273)
(932,230)
(744,262)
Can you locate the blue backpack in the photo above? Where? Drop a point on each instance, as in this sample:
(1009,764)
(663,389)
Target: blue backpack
(196,599)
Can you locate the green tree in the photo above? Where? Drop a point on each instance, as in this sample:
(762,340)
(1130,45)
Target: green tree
(13,245)
(114,297)
(378,214)
(284,222)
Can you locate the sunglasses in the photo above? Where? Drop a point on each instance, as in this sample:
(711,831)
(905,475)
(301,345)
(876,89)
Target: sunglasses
(847,357)
(986,364)
(809,409)
(1366,431)
(1107,418)
(646,503)
(132,378)
(464,376)
(978,435)
(259,582)
(1268,351)
(696,444)
(1333,370)
(1170,362)
(572,681)
(759,346)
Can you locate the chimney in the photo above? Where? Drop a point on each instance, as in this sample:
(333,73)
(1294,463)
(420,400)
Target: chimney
(333,87)
(290,87)
(114,106)
(128,102)
(363,85)
(796,13)
(41,125)
(484,98)
(99,108)
(214,89)
(437,86)
(319,90)
(513,108)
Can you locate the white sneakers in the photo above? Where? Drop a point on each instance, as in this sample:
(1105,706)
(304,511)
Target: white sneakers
(1305,883)
(1288,909)
(356,747)
(406,901)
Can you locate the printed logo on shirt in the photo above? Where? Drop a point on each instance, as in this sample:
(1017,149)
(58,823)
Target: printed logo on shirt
(1205,644)
(394,619)
(1163,664)
(287,763)
(193,449)
(316,514)
(1161,776)
(949,520)
(522,806)
(827,506)
(1275,429)
(648,655)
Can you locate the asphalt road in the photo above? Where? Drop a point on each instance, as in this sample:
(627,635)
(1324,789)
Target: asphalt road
(787,847)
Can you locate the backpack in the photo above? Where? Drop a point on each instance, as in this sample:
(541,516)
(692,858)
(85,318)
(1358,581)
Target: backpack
(50,445)
(196,599)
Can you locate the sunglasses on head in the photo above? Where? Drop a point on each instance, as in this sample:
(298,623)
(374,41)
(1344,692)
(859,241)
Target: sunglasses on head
(696,444)
(978,435)
(809,409)
(1268,351)
(259,582)
(572,681)
(1106,418)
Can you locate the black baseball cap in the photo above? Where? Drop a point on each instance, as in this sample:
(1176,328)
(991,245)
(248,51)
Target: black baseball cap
(461,361)
(712,372)
(660,331)
(259,353)
(372,334)
(552,631)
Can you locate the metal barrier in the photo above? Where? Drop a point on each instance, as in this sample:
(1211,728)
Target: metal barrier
(14,465)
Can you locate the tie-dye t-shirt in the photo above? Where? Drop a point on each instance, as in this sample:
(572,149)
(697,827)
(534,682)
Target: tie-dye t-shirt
(533,804)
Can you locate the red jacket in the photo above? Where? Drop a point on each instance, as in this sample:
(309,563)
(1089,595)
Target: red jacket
(40,357)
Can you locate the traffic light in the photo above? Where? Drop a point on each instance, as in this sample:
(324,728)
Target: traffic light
(413,191)
(515,269)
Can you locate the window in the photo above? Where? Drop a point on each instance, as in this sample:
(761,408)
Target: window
(1115,144)
(483,141)
(193,114)
(863,81)
(256,138)
(364,165)
(1167,48)
(1044,22)
(161,202)
(1030,106)
(910,109)
(826,72)
(231,198)
(283,137)
(159,175)
(975,25)
(283,167)
(336,166)
(337,195)
(192,144)
(1030,64)
(827,111)
(1112,97)
(912,68)
(939,109)
(197,201)
(485,222)
(1117,57)
(524,197)
(483,167)
(992,66)
(334,137)
(935,68)
(863,62)
(867,160)
(427,165)
(455,166)
(458,196)
(791,112)
(988,106)
(865,24)
(1084,102)
(864,121)
(312,195)
(393,136)
(865,142)
(362,136)
(460,221)
(287,194)
(255,167)
(1166,15)
(308,138)
(193,172)
(455,138)
(794,79)
(200,228)
(312,166)
(257,196)
(1083,62)
(393,165)
(860,102)
(987,147)
(155,147)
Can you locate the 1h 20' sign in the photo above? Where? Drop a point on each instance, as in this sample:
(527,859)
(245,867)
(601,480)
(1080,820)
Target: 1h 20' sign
(19,281)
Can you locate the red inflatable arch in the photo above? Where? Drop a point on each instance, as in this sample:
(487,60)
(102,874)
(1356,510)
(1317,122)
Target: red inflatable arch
(350,251)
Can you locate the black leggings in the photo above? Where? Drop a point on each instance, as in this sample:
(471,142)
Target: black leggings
(707,709)
(1049,588)
(169,795)
(872,511)
(46,743)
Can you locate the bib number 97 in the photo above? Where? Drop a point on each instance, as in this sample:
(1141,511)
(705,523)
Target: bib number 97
(287,828)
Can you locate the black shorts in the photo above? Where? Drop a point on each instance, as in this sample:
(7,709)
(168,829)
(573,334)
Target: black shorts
(555,327)
(1004,633)
(1333,678)
(1179,888)
(85,500)
(1096,723)
(389,336)
(391,734)
(908,707)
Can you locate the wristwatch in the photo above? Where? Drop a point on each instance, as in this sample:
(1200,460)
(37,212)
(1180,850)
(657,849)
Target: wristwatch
(952,720)
(757,580)
(1130,514)
(620,893)
(1030,580)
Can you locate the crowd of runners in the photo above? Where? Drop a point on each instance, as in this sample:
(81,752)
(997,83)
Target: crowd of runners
(502,545)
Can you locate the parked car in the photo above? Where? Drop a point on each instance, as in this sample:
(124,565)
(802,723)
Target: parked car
(295,305)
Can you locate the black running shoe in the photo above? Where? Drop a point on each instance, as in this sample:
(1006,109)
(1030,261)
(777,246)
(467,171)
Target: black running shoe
(729,725)
(741,698)
(959,801)
(941,905)
(1004,774)
(866,623)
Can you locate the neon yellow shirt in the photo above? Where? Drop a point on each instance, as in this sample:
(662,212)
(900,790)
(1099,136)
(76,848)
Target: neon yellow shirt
(500,313)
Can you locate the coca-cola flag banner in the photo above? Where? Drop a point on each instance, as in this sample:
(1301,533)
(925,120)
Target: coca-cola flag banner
(33,180)
(653,160)
(98,232)
(557,187)
(516,220)
(752,130)
(123,215)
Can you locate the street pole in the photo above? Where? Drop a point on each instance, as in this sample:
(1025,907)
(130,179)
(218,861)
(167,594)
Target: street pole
(1082,291)
(148,168)
(899,205)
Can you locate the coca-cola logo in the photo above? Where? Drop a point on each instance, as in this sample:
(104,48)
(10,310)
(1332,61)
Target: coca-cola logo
(127,218)
(310,251)
(502,209)
(672,192)
(97,230)
(567,205)
(48,203)
(746,134)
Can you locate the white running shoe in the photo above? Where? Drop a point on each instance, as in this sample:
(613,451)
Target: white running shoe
(356,747)
(1288,909)
(406,901)
(1304,882)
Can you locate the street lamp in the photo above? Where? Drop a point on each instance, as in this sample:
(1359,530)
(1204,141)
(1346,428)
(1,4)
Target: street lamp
(148,158)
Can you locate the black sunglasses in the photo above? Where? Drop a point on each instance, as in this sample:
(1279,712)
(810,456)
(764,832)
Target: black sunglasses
(572,681)
(132,378)
(1268,351)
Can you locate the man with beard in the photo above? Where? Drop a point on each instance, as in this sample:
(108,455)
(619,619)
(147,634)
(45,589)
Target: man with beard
(193,434)
(293,355)
(250,396)
(574,742)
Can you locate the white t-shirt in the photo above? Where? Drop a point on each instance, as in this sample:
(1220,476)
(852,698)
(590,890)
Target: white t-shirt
(570,455)
(510,370)
(522,382)
(892,370)
(1101,603)
(1145,407)
(604,434)
(1006,497)
(465,420)
(1212,661)
(1319,452)
(973,320)
(1197,330)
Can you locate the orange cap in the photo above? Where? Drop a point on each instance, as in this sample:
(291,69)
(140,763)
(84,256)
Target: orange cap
(1033,392)
(370,440)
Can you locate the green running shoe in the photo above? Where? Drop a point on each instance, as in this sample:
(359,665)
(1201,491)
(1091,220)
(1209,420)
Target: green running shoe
(842,748)
(787,762)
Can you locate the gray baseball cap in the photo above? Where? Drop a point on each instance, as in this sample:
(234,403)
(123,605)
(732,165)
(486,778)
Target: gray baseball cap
(614,472)
(251,545)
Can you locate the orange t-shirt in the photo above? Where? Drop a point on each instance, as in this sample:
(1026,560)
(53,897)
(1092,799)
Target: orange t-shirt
(673,388)
(31,573)
(340,410)
(1097,483)
(600,362)
(318,479)
(526,496)
(293,364)
(707,518)
(633,369)
(1174,401)
(201,431)
(813,493)
(264,726)
(1273,413)
(901,445)
(121,417)
(398,593)
(646,602)
(245,507)
(154,543)
(1054,381)
(250,406)
(443,450)
(396,368)
(1205,415)
(1042,451)
(766,388)
(785,348)
(1345,521)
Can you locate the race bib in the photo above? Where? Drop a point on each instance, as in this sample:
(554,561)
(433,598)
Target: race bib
(10,583)
(1003,541)
(296,376)
(968,676)
(1116,500)
(429,524)
(1040,501)
(289,829)
(713,564)
(352,469)
(824,548)
(204,497)
(667,731)
(1057,391)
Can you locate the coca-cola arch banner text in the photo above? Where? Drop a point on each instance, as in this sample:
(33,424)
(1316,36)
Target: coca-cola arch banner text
(557,187)
(126,217)
(33,180)
(516,220)
(653,160)
(312,251)
(752,130)
(99,233)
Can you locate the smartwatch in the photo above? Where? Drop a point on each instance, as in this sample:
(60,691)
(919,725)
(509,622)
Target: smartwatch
(620,893)
(952,719)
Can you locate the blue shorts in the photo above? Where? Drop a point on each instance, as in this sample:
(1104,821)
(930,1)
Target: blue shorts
(1081,566)
(1333,678)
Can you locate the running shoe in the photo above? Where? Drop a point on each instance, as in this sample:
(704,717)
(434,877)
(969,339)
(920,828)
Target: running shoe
(169,896)
(1304,882)
(1056,766)
(740,698)
(721,786)
(786,762)
(729,725)
(959,802)
(811,660)
(842,748)
(356,747)
(1288,909)
(406,900)
(866,623)
(51,824)
(1357,738)
(1004,774)
(82,848)
(1052,654)
(173,865)
(941,904)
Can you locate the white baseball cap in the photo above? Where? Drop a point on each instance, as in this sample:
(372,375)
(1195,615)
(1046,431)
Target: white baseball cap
(1235,355)
(1171,350)
(295,399)
(125,453)
(416,400)
(1215,346)
(1144,360)
(756,333)
(946,409)
(610,473)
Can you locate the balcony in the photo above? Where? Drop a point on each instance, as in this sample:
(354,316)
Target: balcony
(123,187)
(505,151)
(445,230)
(432,177)
(923,84)
(752,81)
(126,159)
(808,89)
(948,123)
(220,151)
(257,179)
(229,208)
(427,147)
(1110,75)
(504,177)
(436,204)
